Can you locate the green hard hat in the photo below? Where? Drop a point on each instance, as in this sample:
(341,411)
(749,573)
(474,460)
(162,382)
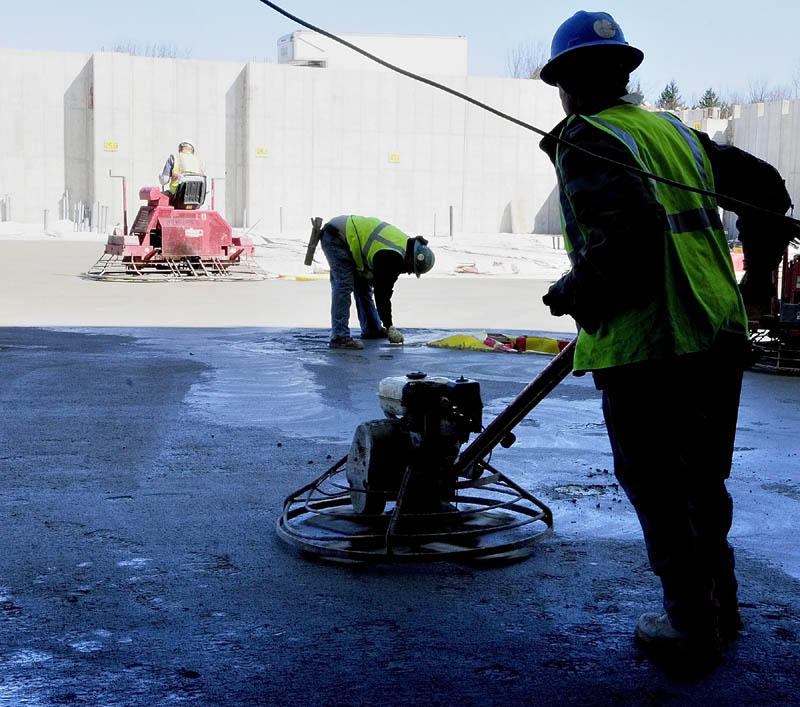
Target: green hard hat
(423,258)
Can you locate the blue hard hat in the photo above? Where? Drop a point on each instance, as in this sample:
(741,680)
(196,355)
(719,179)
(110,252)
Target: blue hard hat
(588,29)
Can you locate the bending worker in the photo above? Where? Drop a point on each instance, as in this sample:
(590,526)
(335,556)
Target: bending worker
(366,255)
(185,162)
(662,322)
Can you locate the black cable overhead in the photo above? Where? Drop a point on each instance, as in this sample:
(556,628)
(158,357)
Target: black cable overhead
(522,123)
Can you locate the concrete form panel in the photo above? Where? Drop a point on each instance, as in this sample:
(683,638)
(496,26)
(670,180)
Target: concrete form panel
(32,128)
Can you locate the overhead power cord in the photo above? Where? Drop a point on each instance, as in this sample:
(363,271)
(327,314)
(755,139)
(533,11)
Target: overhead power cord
(522,123)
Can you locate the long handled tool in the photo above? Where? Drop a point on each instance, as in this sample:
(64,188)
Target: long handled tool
(316,232)
(499,429)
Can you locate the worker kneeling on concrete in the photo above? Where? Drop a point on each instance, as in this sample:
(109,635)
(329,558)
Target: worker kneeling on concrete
(663,323)
(366,256)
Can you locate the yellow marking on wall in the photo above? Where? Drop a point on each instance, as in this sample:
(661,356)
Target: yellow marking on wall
(394,157)
(110,146)
(262,152)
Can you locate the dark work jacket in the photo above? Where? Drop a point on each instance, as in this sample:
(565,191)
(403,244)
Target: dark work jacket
(386,268)
(628,222)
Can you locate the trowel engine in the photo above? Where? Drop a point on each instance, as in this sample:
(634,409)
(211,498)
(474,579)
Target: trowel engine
(408,492)
(410,455)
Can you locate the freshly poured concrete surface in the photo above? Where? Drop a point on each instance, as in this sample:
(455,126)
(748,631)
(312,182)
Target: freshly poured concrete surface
(40,285)
(144,468)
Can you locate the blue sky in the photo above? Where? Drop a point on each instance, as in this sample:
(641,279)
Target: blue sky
(725,44)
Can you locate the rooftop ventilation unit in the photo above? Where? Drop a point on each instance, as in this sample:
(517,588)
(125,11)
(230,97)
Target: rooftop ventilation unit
(297,50)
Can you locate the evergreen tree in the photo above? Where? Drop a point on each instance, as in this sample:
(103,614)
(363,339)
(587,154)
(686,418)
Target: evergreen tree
(709,99)
(670,97)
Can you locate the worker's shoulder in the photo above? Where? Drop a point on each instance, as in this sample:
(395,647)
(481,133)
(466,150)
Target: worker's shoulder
(586,135)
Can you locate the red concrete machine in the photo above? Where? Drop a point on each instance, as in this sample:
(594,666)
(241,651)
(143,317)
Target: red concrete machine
(777,335)
(406,492)
(172,239)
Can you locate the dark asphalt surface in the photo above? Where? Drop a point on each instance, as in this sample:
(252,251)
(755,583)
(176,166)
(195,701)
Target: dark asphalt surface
(143,472)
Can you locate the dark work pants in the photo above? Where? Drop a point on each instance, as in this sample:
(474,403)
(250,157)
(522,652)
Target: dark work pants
(672,428)
(347,284)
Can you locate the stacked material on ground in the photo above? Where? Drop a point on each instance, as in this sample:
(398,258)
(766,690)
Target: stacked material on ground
(483,341)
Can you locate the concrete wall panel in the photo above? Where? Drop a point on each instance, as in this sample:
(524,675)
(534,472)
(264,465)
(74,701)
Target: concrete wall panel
(285,143)
(32,128)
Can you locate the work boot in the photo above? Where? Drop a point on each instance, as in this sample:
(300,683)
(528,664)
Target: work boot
(346,342)
(657,636)
(379,334)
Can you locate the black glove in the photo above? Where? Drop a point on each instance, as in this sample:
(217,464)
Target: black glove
(555,301)
(423,241)
(764,240)
(757,288)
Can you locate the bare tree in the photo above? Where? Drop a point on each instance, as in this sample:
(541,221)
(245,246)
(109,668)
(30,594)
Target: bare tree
(525,61)
(761,92)
(727,100)
(160,50)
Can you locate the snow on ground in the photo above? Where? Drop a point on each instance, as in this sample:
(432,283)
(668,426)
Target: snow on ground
(506,255)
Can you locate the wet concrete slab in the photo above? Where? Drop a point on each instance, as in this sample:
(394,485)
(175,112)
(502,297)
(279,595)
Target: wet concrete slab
(143,473)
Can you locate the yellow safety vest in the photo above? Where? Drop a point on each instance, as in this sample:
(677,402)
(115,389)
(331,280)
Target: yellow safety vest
(699,296)
(367,236)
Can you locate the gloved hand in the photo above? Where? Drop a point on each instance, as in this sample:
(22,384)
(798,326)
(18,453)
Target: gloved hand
(554,300)
(561,300)
(423,241)
(757,288)
(395,335)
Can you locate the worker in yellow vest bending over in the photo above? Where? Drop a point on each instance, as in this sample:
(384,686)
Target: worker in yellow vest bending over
(366,256)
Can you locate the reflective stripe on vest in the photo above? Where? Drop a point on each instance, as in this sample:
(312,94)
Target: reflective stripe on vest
(698,296)
(693,144)
(694,220)
(382,236)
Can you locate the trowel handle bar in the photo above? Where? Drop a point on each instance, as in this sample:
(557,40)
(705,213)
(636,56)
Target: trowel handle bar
(529,398)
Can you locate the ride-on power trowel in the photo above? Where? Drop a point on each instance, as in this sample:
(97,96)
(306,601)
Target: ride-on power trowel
(406,491)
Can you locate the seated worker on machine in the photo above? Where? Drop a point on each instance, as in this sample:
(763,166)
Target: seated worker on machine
(184,179)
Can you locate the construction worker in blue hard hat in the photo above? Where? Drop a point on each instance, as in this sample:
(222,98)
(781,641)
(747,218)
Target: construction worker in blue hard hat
(366,256)
(662,323)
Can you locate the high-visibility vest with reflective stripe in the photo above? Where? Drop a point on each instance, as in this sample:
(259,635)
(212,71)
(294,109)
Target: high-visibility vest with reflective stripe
(366,236)
(698,296)
(185,163)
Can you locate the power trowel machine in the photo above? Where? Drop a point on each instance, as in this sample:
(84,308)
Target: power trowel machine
(406,491)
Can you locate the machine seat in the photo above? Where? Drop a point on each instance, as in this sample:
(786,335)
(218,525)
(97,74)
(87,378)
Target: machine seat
(190,192)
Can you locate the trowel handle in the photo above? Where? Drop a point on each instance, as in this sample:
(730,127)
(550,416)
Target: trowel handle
(316,232)
(533,393)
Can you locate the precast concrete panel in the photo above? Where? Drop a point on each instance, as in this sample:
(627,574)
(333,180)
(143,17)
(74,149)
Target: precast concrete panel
(32,129)
(236,164)
(774,112)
